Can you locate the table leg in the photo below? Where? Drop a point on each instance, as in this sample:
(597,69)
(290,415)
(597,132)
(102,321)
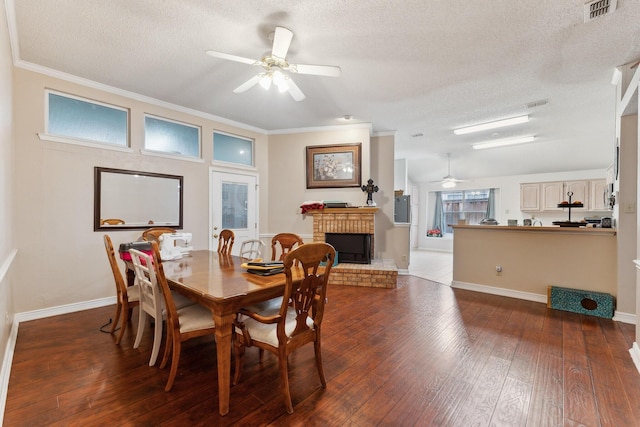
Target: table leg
(223,345)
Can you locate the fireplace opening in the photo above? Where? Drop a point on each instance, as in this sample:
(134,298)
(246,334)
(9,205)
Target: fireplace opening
(351,247)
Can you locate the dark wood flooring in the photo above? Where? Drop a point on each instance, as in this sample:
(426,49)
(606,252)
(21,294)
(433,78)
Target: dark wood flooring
(422,354)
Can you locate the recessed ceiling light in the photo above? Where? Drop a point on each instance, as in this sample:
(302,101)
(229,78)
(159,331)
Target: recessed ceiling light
(492,125)
(347,117)
(503,142)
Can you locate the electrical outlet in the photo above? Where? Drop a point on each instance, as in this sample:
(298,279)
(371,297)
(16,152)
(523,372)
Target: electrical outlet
(498,269)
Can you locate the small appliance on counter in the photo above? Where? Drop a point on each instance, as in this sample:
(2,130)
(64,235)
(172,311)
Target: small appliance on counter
(488,221)
(169,247)
(606,222)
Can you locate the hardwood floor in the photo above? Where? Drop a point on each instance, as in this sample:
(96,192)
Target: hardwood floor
(422,354)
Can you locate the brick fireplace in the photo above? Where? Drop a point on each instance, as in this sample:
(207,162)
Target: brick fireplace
(357,221)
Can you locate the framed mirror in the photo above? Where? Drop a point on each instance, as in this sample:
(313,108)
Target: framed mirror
(129,200)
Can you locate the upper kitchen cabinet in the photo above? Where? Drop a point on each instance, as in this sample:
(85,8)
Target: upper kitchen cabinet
(546,196)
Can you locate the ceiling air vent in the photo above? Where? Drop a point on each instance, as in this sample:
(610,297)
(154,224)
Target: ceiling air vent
(597,8)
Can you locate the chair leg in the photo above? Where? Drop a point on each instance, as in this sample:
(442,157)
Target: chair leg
(284,380)
(167,347)
(142,321)
(157,338)
(116,318)
(175,359)
(260,354)
(316,348)
(125,320)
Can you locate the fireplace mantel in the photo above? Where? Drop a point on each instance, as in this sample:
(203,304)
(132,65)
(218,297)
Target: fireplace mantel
(356,210)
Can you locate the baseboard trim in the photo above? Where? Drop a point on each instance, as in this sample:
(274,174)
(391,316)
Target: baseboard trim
(63,309)
(528,296)
(618,316)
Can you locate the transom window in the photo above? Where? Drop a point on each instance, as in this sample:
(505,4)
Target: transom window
(232,149)
(82,119)
(171,137)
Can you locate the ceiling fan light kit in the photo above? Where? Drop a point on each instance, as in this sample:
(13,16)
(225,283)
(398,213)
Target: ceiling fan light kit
(503,142)
(275,67)
(492,125)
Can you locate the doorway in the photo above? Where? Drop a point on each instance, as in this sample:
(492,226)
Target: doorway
(234,205)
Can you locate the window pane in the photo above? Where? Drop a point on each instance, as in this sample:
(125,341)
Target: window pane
(171,137)
(75,118)
(470,205)
(234,205)
(232,149)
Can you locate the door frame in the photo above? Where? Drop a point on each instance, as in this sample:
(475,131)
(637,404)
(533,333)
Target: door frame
(235,171)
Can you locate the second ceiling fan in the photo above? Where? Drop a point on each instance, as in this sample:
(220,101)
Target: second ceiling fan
(276,68)
(449,181)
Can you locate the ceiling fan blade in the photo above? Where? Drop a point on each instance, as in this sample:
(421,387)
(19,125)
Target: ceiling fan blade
(317,70)
(230,57)
(281,41)
(295,91)
(248,84)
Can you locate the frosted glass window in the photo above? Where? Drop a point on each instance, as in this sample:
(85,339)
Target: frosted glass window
(234,205)
(83,119)
(171,137)
(232,149)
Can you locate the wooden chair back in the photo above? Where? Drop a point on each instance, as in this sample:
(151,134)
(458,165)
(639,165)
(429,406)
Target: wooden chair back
(225,241)
(286,242)
(153,234)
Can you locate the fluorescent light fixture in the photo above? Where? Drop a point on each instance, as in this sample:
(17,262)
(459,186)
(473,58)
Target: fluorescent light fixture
(448,184)
(503,142)
(492,125)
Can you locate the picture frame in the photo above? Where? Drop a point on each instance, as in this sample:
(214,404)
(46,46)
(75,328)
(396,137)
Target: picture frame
(334,166)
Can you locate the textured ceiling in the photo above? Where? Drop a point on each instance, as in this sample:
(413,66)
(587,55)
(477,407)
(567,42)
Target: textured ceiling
(415,66)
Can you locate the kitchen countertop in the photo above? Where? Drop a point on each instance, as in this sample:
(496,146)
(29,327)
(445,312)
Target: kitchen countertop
(538,229)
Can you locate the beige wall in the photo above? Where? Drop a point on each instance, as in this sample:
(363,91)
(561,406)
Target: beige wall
(7,245)
(61,259)
(287,176)
(533,259)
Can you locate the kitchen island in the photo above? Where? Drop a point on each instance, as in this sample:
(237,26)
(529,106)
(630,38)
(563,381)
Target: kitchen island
(530,259)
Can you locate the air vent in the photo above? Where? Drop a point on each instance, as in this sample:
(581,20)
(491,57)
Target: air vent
(597,8)
(535,104)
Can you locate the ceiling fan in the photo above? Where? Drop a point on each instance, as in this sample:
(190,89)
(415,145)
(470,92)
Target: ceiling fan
(448,181)
(276,67)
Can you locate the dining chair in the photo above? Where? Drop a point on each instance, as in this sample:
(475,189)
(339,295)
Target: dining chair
(154,233)
(183,323)
(151,301)
(251,249)
(298,319)
(225,241)
(286,242)
(127,297)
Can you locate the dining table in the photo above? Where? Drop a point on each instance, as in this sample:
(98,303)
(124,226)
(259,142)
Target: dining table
(221,283)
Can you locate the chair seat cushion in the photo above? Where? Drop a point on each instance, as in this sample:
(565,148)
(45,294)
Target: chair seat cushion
(266,333)
(181,301)
(193,317)
(266,308)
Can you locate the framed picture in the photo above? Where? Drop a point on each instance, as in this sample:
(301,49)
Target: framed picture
(333,166)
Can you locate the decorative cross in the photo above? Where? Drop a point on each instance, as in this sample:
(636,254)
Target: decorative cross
(370,189)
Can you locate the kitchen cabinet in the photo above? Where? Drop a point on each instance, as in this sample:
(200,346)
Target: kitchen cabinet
(546,196)
(554,193)
(598,192)
(530,197)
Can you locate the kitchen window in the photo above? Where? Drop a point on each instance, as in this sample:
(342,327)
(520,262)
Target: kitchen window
(470,205)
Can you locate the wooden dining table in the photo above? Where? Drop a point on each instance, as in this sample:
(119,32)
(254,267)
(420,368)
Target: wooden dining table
(220,283)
